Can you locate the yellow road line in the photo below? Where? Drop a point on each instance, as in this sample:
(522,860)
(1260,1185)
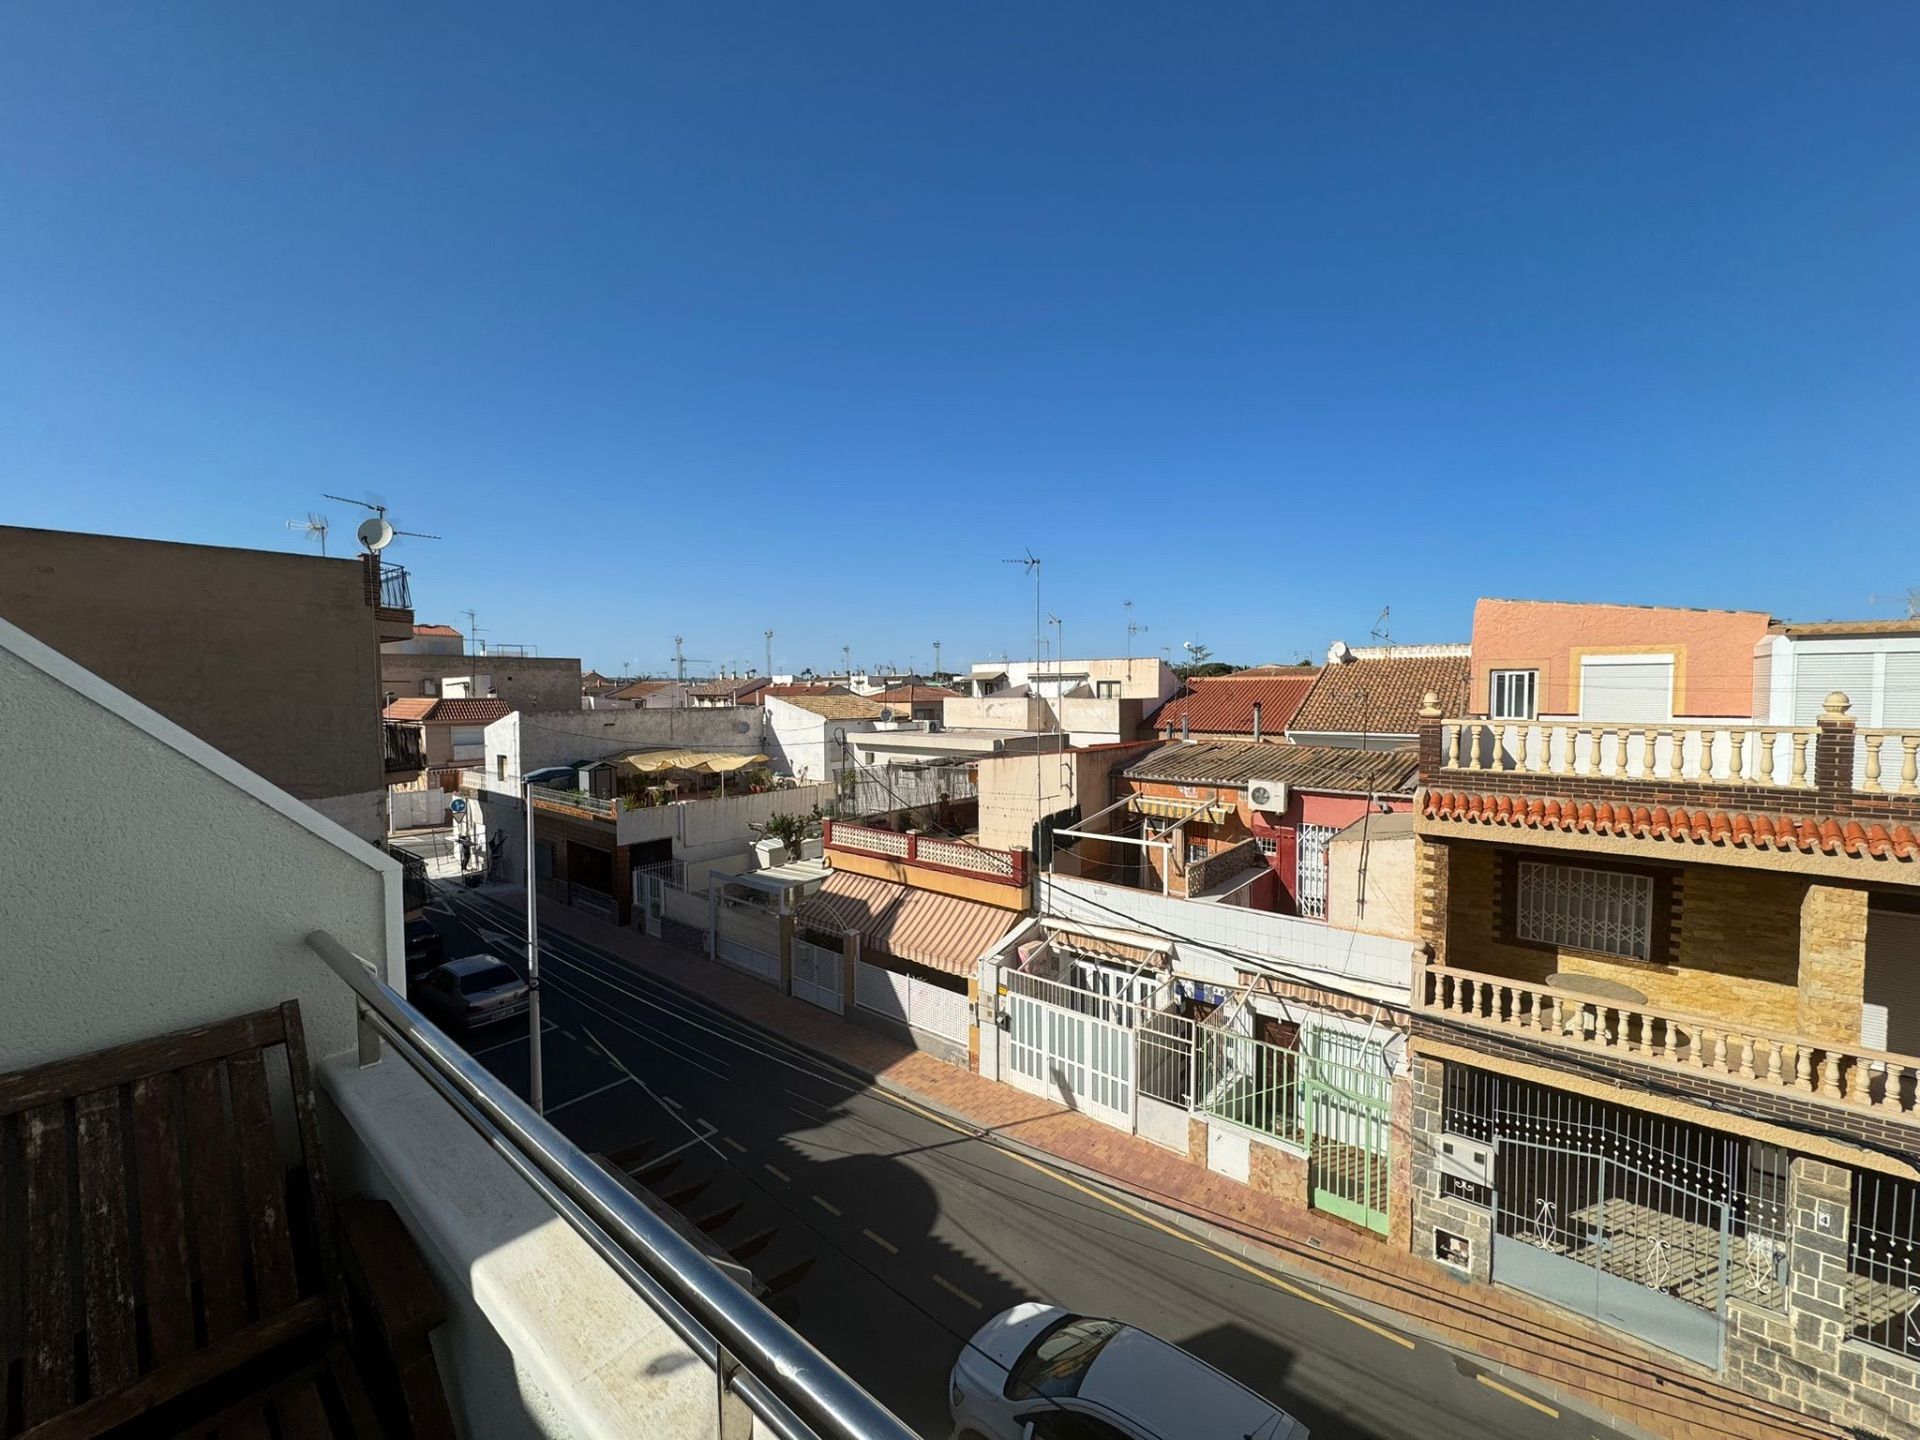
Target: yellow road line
(1244,1265)
(1512,1394)
(778,1173)
(882,1241)
(955,1291)
(741,1149)
(828,1206)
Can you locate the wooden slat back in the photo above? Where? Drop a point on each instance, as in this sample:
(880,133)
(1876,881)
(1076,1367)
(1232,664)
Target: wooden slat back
(154,1213)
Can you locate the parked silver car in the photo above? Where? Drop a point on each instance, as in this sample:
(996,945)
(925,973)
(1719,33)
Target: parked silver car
(1037,1372)
(470,992)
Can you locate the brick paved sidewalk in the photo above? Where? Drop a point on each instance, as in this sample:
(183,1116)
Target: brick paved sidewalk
(1660,1394)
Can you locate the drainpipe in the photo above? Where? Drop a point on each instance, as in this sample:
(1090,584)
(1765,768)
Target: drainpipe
(1256,722)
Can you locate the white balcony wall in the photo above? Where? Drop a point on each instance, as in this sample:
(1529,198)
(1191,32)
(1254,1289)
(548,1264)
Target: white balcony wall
(711,827)
(152,883)
(1340,957)
(542,1340)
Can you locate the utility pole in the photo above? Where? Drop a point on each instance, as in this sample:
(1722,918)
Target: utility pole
(769,670)
(936,661)
(846,663)
(536,1088)
(679,660)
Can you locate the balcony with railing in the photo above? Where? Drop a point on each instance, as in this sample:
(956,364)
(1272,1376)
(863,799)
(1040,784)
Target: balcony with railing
(389,594)
(1722,1048)
(928,852)
(404,747)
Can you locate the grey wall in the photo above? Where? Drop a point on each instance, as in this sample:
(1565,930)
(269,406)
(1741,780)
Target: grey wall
(270,658)
(141,890)
(527,683)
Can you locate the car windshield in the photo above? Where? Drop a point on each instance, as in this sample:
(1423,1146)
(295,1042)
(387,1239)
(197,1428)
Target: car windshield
(1056,1362)
(491,978)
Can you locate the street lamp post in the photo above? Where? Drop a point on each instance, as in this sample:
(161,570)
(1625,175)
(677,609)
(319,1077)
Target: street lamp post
(537,1090)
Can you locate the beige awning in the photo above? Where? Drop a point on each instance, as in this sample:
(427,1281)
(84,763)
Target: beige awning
(942,932)
(706,762)
(1164,808)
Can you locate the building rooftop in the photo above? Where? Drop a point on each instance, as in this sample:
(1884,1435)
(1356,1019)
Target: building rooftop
(443,630)
(735,690)
(910,694)
(459,710)
(1224,703)
(834,707)
(1380,694)
(1338,769)
(1910,625)
(639,689)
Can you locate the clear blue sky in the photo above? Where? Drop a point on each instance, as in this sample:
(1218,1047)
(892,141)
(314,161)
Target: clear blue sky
(705,318)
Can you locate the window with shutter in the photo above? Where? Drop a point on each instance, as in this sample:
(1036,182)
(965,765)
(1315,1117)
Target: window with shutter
(1627,691)
(1815,676)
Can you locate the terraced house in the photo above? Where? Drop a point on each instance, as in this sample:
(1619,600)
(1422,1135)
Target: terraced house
(1666,1025)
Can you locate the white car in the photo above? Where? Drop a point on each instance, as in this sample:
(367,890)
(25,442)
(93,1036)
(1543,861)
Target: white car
(1038,1372)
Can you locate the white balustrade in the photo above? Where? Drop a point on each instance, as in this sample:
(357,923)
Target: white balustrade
(1777,756)
(1889,762)
(1872,1080)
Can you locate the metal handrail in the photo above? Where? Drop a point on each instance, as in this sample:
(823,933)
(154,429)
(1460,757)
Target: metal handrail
(781,1378)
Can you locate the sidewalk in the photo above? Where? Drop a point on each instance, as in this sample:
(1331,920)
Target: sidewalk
(1586,1364)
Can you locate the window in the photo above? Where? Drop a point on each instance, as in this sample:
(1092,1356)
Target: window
(543,859)
(1512,694)
(1606,911)
(1310,870)
(499,767)
(1059,1358)
(1630,689)
(1107,689)
(1196,851)
(1269,846)
(429,687)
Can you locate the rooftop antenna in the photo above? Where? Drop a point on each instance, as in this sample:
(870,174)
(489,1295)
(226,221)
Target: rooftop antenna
(473,632)
(769,670)
(846,660)
(935,677)
(1032,562)
(679,660)
(1379,631)
(375,532)
(314,527)
(1133,629)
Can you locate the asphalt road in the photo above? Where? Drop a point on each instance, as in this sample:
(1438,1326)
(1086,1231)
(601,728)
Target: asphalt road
(891,1236)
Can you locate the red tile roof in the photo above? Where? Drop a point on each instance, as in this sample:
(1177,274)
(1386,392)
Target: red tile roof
(1739,828)
(457,711)
(908,694)
(639,689)
(1223,704)
(1381,696)
(818,687)
(436,630)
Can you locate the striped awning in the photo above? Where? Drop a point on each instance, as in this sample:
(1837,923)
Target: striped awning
(707,762)
(942,932)
(1164,808)
(1101,948)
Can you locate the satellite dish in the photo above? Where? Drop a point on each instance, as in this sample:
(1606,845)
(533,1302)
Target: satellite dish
(1339,652)
(886,712)
(375,533)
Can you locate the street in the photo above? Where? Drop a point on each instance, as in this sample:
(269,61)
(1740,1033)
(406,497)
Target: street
(887,1236)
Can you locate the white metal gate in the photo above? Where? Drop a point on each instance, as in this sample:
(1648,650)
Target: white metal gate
(1310,870)
(816,975)
(911,1001)
(1065,1053)
(653,901)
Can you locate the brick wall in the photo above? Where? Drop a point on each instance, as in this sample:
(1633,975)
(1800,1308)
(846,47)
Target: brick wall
(1734,936)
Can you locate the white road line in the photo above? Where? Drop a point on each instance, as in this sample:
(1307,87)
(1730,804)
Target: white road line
(547,1027)
(882,1241)
(737,1146)
(828,1206)
(955,1291)
(653,1160)
(778,1173)
(611,1084)
(669,1100)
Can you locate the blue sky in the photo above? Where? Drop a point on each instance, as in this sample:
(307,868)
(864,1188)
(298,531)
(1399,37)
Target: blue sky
(706,318)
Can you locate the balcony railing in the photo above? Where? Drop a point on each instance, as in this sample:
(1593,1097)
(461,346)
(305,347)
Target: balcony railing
(396,592)
(1844,1074)
(1005,867)
(405,747)
(1776,756)
(1889,762)
(574,800)
(758,1361)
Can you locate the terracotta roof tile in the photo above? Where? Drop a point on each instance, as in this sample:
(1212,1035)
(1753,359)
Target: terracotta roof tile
(908,694)
(835,707)
(640,689)
(1381,696)
(1747,830)
(457,711)
(735,690)
(1223,704)
(409,707)
(437,630)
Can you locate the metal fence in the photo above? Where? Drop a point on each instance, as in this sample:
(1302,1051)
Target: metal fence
(1247,1082)
(396,592)
(1883,1256)
(1165,1068)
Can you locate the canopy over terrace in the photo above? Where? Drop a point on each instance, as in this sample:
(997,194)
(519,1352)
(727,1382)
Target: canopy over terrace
(699,762)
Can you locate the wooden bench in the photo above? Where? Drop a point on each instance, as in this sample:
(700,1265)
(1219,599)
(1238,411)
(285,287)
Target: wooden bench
(170,1262)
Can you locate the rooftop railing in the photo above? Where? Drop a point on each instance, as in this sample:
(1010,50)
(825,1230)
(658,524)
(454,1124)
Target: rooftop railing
(396,592)
(758,1361)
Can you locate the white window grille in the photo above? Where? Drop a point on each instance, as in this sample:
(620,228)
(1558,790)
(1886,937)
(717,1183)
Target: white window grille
(1196,852)
(1514,694)
(1268,844)
(1600,910)
(1310,871)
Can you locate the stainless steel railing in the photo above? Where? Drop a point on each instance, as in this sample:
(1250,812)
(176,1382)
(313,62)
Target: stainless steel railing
(760,1364)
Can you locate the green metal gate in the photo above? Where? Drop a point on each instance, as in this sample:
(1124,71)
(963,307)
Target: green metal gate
(1346,1099)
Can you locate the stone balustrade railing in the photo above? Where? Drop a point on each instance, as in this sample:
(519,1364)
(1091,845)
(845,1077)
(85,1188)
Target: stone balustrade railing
(1889,762)
(1780,756)
(1841,1073)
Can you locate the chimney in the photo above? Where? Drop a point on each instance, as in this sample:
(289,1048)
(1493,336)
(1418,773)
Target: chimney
(1256,722)
(1183,726)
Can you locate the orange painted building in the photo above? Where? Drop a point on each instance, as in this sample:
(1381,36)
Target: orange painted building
(1612,662)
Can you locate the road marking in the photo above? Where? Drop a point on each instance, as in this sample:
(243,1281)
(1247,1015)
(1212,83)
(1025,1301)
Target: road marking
(669,1100)
(1243,1265)
(738,1147)
(547,1027)
(882,1241)
(957,1293)
(611,1084)
(778,1173)
(1512,1394)
(828,1206)
(652,1160)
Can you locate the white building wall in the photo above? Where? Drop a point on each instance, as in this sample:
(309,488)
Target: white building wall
(542,738)
(150,882)
(805,745)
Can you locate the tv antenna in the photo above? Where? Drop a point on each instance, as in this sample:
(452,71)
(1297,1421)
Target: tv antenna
(769,669)
(935,677)
(1379,631)
(473,631)
(314,527)
(1133,628)
(1032,562)
(375,532)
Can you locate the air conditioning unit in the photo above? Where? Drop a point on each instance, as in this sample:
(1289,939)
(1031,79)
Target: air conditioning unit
(1267,794)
